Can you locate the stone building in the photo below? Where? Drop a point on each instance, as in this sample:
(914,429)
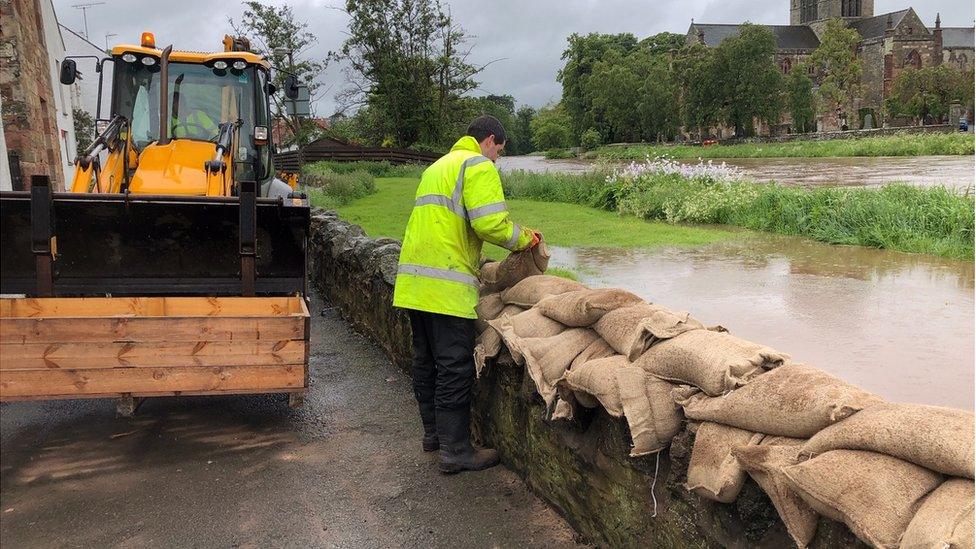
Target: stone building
(38,126)
(890,43)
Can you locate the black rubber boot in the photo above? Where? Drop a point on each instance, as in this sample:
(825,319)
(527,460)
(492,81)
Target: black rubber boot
(428,418)
(457,454)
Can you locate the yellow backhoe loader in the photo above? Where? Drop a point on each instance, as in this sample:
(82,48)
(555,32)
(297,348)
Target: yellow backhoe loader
(176,264)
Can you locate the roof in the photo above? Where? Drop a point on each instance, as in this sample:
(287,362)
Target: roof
(958,37)
(874,27)
(788,37)
(192,56)
(80,37)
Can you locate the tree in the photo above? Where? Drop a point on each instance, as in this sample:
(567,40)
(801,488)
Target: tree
(551,128)
(747,78)
(662,43)
(699,98)
(614,92)
(523,130)
(285,43)
(800,100)
(658,106)
(407,61)
(838,69)
(580,56)
(84,129)
(928,92)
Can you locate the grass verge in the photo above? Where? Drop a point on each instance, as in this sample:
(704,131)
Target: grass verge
(385,213)
(895,145)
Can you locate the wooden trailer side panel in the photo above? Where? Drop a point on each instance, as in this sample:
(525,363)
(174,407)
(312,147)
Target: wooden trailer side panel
(48,349)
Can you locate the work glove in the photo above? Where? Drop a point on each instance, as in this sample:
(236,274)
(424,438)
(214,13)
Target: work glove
(536,238)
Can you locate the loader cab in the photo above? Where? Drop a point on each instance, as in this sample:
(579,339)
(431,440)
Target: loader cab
(177,118)
(204,92)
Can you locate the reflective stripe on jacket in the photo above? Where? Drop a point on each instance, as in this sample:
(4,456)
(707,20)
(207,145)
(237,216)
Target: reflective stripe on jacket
(458,206)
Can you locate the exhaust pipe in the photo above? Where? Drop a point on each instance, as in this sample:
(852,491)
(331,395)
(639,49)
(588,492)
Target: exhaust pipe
(164,96)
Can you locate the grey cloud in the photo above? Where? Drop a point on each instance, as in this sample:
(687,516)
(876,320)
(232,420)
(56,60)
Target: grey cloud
(525,38)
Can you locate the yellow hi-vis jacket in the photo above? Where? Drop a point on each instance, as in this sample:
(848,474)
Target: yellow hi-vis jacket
(459,205)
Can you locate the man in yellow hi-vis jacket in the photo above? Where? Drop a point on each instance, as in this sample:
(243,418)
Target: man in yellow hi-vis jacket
(459,205)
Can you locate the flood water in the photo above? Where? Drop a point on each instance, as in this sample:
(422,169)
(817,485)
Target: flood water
(897,324)
(956,172)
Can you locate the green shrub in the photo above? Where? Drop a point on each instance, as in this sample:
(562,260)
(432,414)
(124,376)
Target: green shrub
(590,140)
(897,217)
(559,154)
(339,188)
(376,169)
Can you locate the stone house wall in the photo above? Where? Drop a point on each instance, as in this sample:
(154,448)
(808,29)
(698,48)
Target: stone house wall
(29,113)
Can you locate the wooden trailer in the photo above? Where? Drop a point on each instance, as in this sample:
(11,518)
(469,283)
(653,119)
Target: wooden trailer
(132,347)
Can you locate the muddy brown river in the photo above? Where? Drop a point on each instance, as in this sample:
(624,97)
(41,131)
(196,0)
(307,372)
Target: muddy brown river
(898,324)
(955,172)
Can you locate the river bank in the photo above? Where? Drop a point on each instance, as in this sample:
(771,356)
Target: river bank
(851,310)
(954,172)
(896,145)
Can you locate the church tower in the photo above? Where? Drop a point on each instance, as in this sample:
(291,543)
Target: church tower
(811,12)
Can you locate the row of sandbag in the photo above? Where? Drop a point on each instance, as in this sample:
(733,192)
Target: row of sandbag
(607,347)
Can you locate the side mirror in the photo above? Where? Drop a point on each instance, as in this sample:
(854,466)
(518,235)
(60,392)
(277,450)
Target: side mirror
(291,87)
(69,71)
(271,89)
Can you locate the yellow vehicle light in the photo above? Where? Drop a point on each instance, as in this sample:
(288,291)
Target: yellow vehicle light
(148,40)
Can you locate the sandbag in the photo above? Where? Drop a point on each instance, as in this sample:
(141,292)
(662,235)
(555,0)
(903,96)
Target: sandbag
(582,308)
(875,495)
(713,472)
(528,292)
(489,343)
(497,276)
(598,349)
(488,308)
(598,378)
(527,324)
(765,464)
(944,519)
(937,438)
(563,410)
(793,400)
(548,358)
(715,362)
(632,330)
(651,414)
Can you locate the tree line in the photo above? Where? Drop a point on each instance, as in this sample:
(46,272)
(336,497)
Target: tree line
(410,81)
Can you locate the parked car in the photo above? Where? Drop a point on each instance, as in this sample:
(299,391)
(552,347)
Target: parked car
(963,125)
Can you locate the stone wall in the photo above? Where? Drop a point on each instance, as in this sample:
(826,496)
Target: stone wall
(29,111)
(582,469)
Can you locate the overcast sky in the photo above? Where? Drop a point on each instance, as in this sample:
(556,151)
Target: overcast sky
(526,37)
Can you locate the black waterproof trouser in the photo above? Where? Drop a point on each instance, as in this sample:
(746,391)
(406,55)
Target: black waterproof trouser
(443,362)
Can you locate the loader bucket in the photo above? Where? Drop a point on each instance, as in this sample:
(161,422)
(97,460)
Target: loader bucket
(72,244)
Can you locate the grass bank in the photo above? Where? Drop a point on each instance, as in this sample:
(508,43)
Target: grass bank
(896,145)
(896,217)
(385,213)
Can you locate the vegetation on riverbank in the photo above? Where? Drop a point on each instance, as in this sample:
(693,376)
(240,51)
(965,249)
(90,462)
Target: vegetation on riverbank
(385,213)
(895,145)
(897,217)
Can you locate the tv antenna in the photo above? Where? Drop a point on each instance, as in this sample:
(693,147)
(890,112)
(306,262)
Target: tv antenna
(84,13)
(107,36)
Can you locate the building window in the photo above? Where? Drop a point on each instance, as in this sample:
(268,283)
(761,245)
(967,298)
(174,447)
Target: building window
(808,11)
(850,8)
(785,65)
(913,59)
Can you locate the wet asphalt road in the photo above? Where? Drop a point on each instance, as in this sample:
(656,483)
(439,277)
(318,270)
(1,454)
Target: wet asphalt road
(344,470)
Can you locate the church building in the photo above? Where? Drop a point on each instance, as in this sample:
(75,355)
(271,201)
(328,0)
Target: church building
(890,43)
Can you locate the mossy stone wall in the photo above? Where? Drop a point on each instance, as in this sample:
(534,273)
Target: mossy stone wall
(581,468)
